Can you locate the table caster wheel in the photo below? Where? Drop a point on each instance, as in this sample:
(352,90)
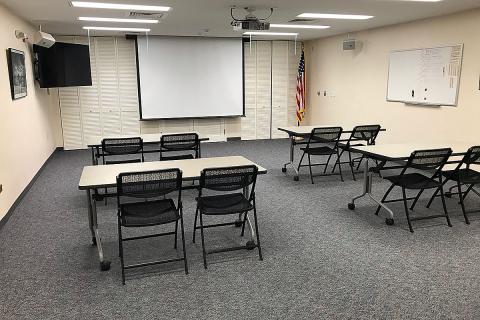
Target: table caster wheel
(250,245)
(284,170)
(296,178)
(94,241)
(105,265)
(351,206)
(238,223)
(389,222)
(448,194)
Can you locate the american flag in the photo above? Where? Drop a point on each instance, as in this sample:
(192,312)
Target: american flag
(301,89)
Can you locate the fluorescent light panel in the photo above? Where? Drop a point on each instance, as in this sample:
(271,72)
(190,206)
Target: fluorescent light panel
(118,6)
(334,16)
(298,26)
(260,33)
(117,29)
(117,20)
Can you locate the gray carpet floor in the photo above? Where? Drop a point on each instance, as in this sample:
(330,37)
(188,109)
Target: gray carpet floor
(321,260)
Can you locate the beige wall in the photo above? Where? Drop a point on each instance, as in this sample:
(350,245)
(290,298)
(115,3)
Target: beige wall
(358,81)
(29,127)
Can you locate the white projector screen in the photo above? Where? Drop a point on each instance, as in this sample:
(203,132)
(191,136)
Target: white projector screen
(190,77)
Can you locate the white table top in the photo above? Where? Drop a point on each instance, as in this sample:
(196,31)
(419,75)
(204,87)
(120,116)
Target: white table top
(403,150)
(105,175)
(306,130)
(147,137)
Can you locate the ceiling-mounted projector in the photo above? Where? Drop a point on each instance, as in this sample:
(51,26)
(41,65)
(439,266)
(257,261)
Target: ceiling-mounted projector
(43,39)
(250,22)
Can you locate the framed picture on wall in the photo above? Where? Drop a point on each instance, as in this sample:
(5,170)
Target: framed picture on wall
(17,73)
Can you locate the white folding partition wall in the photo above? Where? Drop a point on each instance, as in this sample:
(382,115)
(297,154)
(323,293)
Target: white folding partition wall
(110,105)
(270,87)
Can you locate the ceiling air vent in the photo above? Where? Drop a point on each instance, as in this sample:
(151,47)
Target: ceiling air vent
(142,14)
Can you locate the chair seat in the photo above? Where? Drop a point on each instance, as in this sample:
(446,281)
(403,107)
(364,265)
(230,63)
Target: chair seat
(178,157)
(414,181)
(224,204)
(466,176)
(143,214)
(319,151)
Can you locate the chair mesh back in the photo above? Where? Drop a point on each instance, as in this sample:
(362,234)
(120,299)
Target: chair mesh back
(149,183)
(367,133)
(228,178)
(429,159)
(472,156)
(331,134)
(178,142)
(119,146)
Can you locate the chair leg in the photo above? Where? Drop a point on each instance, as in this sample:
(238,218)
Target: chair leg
(301,160)
(310,167)
(195,225)
(203,242)
(351,165)
(183,245)
(326,164)
(384,198)
(256,231)
(435,194)
(120,248)
(360,161)
(468,191)
(339,159)
(462,204)
(445,207)
(407,213)
(416,199)
(176,232)
(339,166)
(243,224)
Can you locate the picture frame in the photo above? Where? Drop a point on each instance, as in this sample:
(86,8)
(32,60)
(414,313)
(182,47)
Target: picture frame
(17,73)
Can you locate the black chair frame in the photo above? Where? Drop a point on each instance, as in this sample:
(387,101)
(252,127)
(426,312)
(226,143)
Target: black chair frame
(148,189)
(460,175)
(174,143)
(364,133)
(425,160)
(122,146)
(322,136)
(227,179)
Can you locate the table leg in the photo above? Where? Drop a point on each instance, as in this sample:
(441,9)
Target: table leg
(367,191)
(93,155)
(292,155)
(93,225)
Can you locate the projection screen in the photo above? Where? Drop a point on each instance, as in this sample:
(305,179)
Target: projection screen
(190,77)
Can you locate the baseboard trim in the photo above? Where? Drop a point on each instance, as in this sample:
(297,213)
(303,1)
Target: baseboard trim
(10,211)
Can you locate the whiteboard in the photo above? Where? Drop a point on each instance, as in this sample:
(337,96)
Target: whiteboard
(429,76)
(190,77)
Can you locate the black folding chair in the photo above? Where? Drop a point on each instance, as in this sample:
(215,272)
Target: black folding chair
(183,145)
(122,146)
(226,183)
(463,175)
(428,161)
(361,135)
(151,209)
(322,142)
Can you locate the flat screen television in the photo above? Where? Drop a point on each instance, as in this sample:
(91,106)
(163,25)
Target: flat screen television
(63,65)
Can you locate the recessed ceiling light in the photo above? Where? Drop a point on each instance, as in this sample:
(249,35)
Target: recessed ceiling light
(117,20)
(298,26)
(119,6)
(117,29)
(334,16)
(260,33)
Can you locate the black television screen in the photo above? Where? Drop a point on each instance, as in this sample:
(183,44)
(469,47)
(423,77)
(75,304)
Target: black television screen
(63,65)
